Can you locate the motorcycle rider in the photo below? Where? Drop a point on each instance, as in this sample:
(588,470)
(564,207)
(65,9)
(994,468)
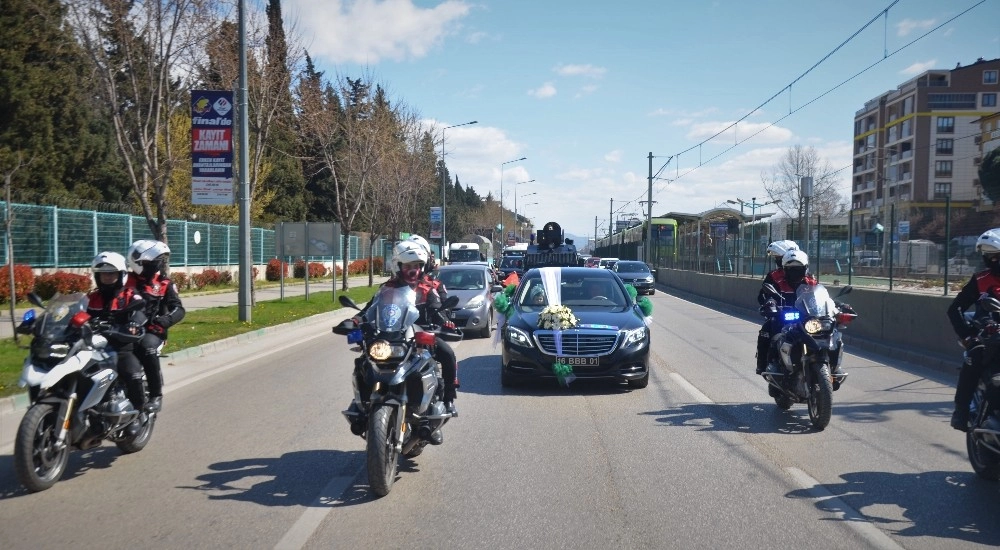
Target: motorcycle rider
(432,292)
(987,282)
(117,302)
(794,273)
(409,260)
(146,260)
(776,278)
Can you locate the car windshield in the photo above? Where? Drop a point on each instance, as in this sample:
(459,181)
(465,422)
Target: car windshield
(632,267)
(510,262)
(463,279)
(580,294)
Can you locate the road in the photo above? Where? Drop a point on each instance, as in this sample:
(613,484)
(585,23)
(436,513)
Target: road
(252,452)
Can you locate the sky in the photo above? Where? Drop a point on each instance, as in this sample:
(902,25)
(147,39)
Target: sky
(585,91)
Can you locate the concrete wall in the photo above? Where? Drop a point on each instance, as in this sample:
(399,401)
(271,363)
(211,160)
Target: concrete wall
(904,325)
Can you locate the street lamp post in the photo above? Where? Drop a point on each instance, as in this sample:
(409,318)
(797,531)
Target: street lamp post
(754,206)
(501,228)
(520,226)
(515,198)
(444,183)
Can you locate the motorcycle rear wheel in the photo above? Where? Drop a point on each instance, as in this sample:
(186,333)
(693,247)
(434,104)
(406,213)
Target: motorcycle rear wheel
(821,399)
(983,461)
(37,462)
(383,458)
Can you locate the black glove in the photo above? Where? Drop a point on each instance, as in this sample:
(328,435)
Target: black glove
(449,325)
(846,308)
(133,327)
(156,329)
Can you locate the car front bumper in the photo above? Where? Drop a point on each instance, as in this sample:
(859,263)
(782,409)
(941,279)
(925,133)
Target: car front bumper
(622,364)
(471,319)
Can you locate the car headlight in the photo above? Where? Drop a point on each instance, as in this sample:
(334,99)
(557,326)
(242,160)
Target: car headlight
(518,337)
(813,326)
(634,335)
(648,279)
(475,302)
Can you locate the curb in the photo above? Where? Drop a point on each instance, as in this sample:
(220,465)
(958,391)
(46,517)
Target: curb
(20,401)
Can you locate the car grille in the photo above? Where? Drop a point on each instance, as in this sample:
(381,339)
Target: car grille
(578,342)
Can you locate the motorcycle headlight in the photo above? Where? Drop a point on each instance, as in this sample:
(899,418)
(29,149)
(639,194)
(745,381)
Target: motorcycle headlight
(518,336)
(58,351)
(634,335)
(380,350)
(813,326)
(475,302)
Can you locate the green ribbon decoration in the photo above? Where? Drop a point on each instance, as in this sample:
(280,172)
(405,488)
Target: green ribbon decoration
(632,291)
(562,371)
(644,303)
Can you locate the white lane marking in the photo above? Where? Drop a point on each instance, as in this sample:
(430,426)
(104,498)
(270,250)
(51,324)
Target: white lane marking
(689,387)
(854,519)
(318,509)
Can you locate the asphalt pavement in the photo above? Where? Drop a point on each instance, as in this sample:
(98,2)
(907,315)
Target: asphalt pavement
(12,407)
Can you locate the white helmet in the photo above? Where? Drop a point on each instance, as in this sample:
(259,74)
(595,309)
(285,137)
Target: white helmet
(428,266)
(795,257)
(407,252)
(147,254)
(109,262)
(778,249)
(989,242)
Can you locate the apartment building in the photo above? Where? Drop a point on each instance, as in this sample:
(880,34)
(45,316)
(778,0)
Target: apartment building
(920,143)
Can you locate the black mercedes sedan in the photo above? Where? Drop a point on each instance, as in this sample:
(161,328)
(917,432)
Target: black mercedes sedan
(609,339)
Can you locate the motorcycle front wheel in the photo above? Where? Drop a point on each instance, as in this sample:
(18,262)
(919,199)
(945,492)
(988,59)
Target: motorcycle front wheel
(37,461)
(383,458)
(821,399)
(984,462)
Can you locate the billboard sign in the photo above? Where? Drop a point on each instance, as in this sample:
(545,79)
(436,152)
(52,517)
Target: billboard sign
(211,147)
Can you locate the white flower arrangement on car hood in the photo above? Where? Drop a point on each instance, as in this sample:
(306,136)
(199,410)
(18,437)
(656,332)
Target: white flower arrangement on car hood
(557,318)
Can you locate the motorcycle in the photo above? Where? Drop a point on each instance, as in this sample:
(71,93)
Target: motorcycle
(806,349)
(77,398)
(982,440)
(406,404)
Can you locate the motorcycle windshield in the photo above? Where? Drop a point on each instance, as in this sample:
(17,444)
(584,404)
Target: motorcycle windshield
(55,320)
(814,301)
(393,309)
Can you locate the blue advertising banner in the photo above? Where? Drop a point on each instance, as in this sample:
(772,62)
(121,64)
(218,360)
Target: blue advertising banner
(211,147)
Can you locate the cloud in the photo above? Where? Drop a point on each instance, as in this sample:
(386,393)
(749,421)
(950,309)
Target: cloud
(761,132)
(906,26)
(476,37)
(589,71)
(585,91)
(918,68)
(614,156)
(683,113)
(544,91)
(366,31)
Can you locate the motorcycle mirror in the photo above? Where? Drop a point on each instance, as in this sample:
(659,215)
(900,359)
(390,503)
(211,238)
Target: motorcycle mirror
(35,299)
(347,302)
(769,288)
(450,302)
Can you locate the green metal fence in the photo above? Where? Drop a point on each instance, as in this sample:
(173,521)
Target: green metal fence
(50,237)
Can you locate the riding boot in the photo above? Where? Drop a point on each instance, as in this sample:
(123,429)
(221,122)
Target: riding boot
(763,343)
(968,377)
(136,393)
(449,399)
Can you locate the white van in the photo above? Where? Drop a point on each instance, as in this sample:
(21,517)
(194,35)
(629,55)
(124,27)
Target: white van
(607,263)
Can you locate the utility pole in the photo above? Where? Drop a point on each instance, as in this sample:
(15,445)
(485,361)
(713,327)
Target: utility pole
(649,213)
(611,217)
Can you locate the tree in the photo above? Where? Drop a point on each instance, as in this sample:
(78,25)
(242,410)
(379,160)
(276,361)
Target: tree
(783,184)
(46,116)
(989,175)
(142,54)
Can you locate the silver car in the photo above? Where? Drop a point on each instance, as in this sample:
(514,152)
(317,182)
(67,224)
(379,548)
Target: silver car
(475,285)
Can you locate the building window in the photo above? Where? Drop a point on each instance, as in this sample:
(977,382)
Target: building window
(945,146)
(989,77)
(942,169)
(946,124)
(951,101)
(942,190)
(989,100)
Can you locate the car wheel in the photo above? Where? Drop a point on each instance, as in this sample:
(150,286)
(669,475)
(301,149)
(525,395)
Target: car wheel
(488,329)
(639,383)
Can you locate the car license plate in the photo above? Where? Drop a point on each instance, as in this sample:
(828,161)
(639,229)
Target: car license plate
(580,361)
